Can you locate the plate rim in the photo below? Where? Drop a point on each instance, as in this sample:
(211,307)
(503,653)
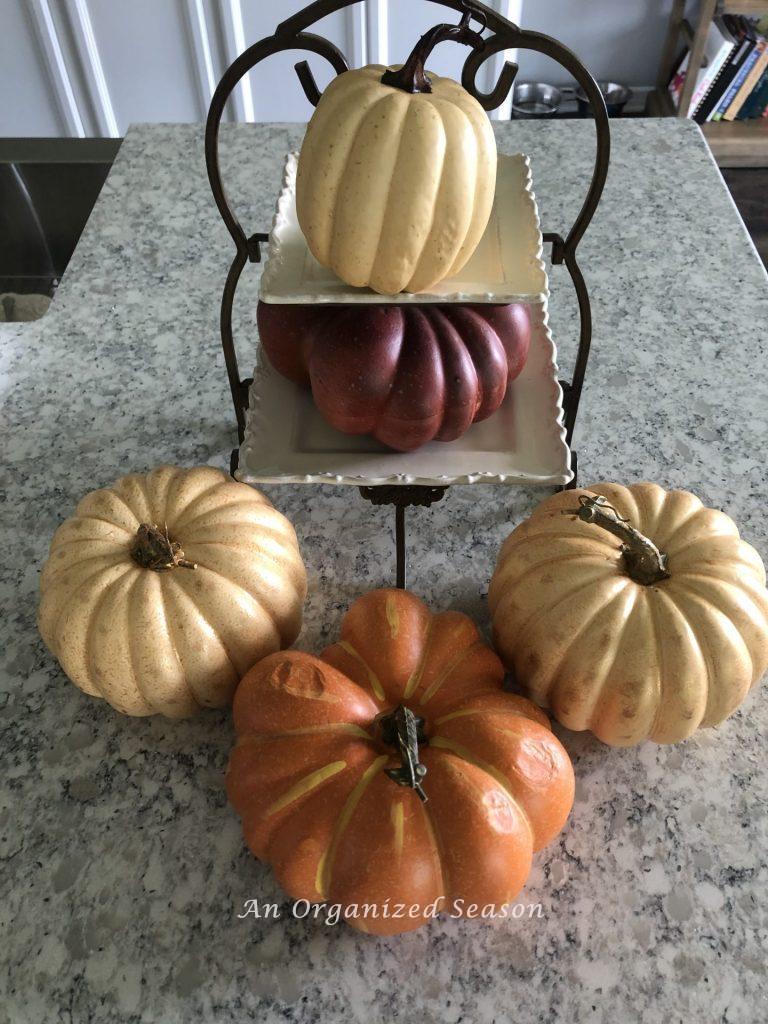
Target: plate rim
(276,258)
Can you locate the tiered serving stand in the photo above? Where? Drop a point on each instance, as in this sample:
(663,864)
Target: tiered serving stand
(528,440)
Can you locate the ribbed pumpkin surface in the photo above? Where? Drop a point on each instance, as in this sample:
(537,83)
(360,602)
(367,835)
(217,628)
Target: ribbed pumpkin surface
(406,374)
(308,773)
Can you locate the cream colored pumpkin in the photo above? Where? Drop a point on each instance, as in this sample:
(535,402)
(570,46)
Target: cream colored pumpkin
(607,641)
(158,627)
(394,189)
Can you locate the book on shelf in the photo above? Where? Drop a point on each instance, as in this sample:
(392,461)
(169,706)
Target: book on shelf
(717,50)
(740,65)
(751,82)
(744,41)
(756,103)
(731,84)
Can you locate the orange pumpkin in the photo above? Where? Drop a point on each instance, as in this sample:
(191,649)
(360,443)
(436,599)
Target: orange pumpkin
(393,775)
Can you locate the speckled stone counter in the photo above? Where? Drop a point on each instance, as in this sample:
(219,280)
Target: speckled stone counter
(122,870)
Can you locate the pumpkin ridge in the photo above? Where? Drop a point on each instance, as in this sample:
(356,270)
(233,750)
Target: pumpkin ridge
(705,663)
(573,638)
(482,145)
(670,538)
(109,522)
(448,671)
(67,603)
(417,317)
(114,494)
(415,678)
(522,626)
(745,557)
(184,511)
(308,154)
(718,581)
(439,105)
(469,712)
(51,637)
(304,786)
(409,109)
(601,684)
(535,535)
(256,600)
(661,657)
(465,754)
(182,523)
(156,486)
(503,569)
(325,864)
(172,642)
(135,497)
(134,638)
(689,594)
(349,728)
(172,582)
(475,328)
(651,509)
(272,558)
(54,572)
(704,653)
(89,646)
(172,490)
(341,179)
(437,846)
(697,541)
(477,385)
(373,680)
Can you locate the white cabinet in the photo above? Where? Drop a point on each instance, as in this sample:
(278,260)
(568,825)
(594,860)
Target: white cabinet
(90,67)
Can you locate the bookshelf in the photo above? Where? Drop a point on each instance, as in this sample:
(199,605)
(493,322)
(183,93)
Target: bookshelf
(733,143)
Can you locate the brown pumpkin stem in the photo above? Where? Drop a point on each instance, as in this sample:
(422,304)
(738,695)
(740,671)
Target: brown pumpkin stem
(644,562)
(402,729)
(412,77)
(153,549)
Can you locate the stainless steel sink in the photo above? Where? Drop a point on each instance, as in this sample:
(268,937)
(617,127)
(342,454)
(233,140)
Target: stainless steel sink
(48,188)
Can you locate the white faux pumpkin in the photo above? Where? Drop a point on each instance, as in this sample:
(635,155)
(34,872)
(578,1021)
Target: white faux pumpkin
(396,175)
(163,590)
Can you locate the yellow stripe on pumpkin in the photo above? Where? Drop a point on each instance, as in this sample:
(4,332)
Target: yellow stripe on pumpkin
(415,679)
(373,679)
(393,618)
(325,866)
(306,785)
(483,711)
(444,675)
(496,775)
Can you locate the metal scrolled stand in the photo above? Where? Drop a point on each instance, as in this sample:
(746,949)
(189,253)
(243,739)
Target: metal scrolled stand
(502,35)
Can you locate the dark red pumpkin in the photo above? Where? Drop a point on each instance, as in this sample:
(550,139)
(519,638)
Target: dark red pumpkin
(405,373)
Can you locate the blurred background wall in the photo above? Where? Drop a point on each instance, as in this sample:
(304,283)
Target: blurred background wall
(90,67)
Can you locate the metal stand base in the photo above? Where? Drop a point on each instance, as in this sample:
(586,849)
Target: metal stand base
(402,497)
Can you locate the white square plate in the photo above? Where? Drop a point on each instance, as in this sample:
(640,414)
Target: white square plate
(505,267)
(523,442)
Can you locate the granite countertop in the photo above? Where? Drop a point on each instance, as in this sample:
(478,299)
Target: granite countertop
(123,869)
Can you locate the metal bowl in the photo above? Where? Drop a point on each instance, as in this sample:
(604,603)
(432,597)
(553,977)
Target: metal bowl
(535,99)
(616,97)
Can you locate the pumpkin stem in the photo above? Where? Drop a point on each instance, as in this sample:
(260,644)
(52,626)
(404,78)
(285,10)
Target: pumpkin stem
(402,729)
(153,549)
(412,77)
(644,562)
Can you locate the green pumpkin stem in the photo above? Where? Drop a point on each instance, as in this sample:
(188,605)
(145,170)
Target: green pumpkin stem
(644,563)
(152,548)
(412,77)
